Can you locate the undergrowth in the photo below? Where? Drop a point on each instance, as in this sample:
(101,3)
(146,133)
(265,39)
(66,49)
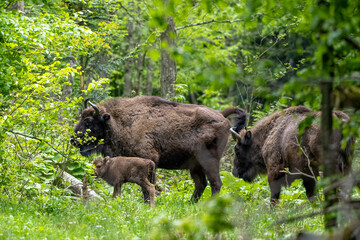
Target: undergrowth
(240,211)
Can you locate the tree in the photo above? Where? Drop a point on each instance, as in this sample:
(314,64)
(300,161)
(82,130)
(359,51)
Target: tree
(168,64)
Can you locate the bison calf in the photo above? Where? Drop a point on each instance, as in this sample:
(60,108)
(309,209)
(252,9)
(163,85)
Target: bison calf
(118,170)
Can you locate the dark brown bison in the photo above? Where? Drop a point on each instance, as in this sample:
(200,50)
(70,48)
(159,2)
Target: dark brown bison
(173,135)
(119,170)
(273,145)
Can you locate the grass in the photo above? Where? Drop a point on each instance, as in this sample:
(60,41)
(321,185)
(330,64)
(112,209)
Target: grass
(241,211)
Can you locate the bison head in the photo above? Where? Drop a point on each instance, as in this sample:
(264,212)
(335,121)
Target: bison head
(244,166)
(101,166)
(90,131)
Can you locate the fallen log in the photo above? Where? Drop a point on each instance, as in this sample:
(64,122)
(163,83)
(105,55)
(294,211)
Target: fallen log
(77,187)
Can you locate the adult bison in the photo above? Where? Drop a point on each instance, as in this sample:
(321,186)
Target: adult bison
(273,145)
(173,135)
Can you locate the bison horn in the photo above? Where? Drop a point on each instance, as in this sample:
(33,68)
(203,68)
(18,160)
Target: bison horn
(85,102)
(97,112)
(235,134)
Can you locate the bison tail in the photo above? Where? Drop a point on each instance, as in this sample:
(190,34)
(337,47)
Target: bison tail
(240,118)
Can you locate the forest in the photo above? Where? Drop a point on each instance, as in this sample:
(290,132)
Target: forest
(261,56)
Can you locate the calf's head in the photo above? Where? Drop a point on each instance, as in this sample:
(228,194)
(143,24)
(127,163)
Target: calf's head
(91,129)
(101,166)
(244,165)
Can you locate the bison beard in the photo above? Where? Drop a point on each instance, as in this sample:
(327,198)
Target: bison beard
(272,145)
(173,135)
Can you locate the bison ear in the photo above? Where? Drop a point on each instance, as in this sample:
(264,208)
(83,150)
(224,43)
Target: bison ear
(105,117)
(106,159)
(247,138)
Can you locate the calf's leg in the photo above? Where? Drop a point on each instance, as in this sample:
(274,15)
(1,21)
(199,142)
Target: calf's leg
(150,189)
(146,195)
(152,180)
(117,189)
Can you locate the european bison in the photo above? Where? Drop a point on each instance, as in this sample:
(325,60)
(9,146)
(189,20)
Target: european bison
(272,145)
(118,170)
(173,135)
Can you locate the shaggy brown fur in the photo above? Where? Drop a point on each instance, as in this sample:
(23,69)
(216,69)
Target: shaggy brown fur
(273,145)
(118,170)
(173,135)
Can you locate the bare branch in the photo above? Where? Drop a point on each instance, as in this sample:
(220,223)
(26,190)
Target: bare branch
(353,43)
(5,6)
(75,185)
(297,173)
(313,176)
(277,40)
(307,157)
(354,204)
(208,22)
(128,13)
(38,139)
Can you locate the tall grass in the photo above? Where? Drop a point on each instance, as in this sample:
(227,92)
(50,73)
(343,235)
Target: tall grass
(240,211)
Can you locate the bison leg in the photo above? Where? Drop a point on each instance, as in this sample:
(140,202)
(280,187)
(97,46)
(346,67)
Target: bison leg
(215,181)
(198,175)
(152,180)
(212,173)
(117,189)
(209,159)
(309,185)
(150,189)
(275,183)
(146,195)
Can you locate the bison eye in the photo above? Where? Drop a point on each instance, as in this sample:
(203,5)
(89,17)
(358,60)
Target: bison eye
(88,125)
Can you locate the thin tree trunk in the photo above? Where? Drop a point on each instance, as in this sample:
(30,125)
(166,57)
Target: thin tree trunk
(168,65)
(128,62)
(193,98)
(67,90)
(127,78)
(149,78)
(82,81)
(141,60)
(328,151)
(68,87)
(326,86)
(19,6)
(82,76)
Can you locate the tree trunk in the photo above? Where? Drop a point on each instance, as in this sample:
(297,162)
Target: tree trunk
(149,78)
(327,148)
(68,87)
(141,62)
(168,65)
(328,158)
(67,90)
(19,6)
(128,62)
(83,64)
(127,78)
